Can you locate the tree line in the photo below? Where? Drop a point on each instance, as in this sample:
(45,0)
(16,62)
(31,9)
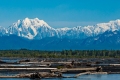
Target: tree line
(61,54)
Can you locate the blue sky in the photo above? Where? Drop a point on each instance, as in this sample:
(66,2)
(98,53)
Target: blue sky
(60,13)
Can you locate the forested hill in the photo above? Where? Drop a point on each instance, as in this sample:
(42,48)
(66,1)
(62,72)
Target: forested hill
(61,54)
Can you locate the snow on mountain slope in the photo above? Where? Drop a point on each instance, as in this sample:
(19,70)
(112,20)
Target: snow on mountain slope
(3,31)
(38,29)
(31,28)
(105,39)
(88,31)
(110,26)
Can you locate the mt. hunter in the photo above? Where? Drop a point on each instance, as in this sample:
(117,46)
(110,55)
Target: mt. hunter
(37,34)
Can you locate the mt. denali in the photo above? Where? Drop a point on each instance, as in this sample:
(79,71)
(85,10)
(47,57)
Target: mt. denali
(39,29)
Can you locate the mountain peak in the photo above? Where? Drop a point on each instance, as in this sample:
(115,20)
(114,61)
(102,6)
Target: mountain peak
(30,22)
(36,19)
(30,28)
(35,22)
(118,21)
(26,20)
(38,29)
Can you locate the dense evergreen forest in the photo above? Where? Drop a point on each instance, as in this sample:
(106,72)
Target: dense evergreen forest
(61,54)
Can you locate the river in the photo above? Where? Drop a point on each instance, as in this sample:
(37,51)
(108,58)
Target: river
(83,77)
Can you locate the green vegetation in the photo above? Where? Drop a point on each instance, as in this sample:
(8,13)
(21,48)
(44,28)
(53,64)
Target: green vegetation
(61,54)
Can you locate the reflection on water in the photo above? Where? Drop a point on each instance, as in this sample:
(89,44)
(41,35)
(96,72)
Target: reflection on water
(102,77)
(10,59)
(83,77)
(14,79)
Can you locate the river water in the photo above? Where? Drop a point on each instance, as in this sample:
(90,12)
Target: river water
(83,77)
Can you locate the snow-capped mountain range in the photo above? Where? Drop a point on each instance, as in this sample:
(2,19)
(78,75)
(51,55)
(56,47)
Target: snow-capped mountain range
(37,34)
(39,29)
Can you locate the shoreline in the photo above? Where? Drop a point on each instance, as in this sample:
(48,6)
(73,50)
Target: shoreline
(55,67)
(77,75)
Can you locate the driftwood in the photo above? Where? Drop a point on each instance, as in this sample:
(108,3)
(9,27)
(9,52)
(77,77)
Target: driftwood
(44,75)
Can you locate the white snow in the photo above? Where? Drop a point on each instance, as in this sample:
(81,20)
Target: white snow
(38,29)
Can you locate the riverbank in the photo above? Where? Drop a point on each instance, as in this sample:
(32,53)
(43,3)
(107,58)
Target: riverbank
(47,68)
